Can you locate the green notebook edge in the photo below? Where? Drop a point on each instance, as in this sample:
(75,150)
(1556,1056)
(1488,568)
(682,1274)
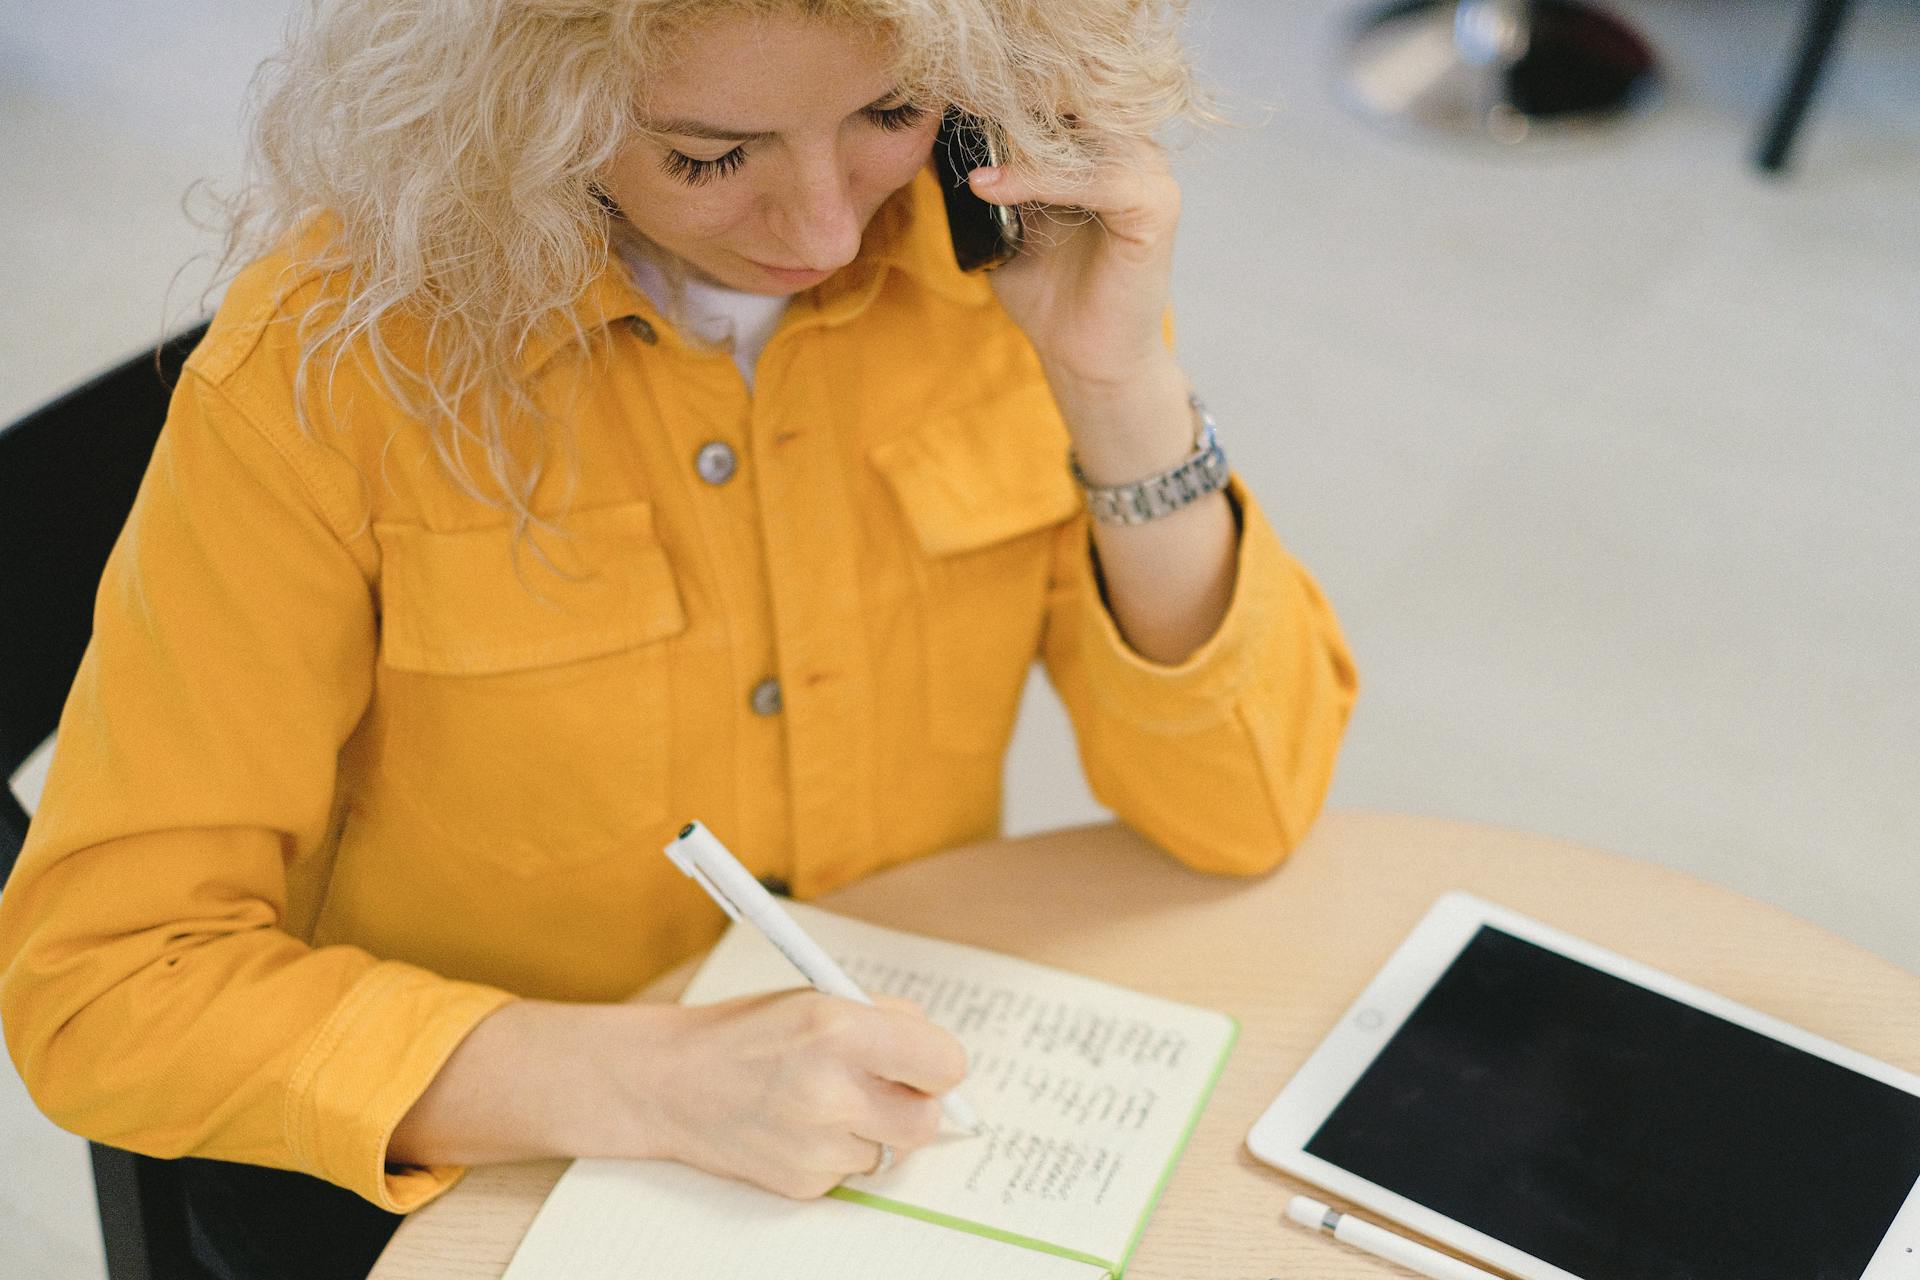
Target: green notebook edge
(1180,1147)
(967,1225)
(1113,1269)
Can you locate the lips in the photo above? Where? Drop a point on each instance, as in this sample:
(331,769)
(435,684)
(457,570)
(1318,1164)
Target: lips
(790,273)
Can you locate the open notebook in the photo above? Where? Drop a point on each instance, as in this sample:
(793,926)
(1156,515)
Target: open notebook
(1087,1091)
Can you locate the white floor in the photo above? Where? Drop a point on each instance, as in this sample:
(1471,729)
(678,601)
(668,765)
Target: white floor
(1608,457)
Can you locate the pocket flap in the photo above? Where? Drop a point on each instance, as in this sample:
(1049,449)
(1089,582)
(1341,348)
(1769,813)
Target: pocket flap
(982,475)
(468,603)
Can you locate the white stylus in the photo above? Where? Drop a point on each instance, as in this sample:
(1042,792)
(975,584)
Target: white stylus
(1382,1243)
(699,853)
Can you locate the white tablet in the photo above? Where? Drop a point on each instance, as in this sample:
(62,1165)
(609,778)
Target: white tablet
(1564,1113)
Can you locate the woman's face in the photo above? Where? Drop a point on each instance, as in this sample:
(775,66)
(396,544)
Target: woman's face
(771,144)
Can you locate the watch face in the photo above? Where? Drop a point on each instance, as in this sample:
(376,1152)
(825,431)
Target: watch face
(1204,471)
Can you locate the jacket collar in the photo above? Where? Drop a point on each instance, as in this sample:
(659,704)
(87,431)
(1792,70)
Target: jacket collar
(907,235)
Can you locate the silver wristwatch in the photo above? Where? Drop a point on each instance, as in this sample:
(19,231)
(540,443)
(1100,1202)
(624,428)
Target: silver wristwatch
(1205,471)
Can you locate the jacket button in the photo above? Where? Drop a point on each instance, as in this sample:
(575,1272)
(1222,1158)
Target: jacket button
(642,329)
(715,462)
(765,698)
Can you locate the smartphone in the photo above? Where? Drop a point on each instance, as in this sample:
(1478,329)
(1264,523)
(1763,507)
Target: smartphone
(985,234)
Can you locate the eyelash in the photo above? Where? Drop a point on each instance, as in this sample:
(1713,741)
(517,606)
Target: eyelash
(700,172)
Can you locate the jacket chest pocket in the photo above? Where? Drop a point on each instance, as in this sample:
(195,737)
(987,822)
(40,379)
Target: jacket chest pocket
(526,713)
(984,492)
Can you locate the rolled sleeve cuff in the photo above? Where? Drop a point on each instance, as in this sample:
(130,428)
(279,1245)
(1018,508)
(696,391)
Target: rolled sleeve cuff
(370,1063)
(1202,690)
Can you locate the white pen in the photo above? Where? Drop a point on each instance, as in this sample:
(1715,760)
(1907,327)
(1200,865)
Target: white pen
(699,853)
(1382,1243)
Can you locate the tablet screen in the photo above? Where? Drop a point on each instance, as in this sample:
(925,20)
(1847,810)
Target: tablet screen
(1619,1134)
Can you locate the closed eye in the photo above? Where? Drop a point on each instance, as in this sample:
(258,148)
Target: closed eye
(697,173)
(694,172)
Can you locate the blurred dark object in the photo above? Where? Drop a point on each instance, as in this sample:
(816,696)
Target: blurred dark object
(1817,37)
(1499,69)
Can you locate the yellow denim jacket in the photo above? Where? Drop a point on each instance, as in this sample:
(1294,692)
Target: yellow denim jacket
(339,775)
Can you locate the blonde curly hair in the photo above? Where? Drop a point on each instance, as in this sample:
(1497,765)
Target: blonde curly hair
(453,148)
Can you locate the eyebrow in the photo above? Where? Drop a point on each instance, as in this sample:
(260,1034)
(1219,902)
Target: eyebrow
(719,133)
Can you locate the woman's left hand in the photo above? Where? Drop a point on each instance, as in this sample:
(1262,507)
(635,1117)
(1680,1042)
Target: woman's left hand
(1092,279)
(1090,288)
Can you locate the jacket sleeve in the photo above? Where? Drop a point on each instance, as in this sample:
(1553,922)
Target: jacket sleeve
(155,994)
(1223,760)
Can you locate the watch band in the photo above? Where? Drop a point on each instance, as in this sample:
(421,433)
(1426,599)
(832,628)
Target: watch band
(1205,471)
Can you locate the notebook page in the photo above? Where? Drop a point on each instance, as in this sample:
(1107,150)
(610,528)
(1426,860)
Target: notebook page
(1087,1090)
(642,1219)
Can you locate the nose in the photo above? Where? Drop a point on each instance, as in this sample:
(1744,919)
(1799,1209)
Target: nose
(815,217)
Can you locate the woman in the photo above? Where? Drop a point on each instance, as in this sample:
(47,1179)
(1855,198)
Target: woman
(605,436)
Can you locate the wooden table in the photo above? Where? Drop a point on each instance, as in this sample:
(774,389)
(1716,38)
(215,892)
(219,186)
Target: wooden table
(1285,955)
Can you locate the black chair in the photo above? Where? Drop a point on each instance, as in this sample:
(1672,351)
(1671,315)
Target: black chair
(68,475)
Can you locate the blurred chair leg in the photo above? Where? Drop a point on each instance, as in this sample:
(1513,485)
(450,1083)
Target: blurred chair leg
(143,1219)
(1824,20)
(123,1219)
(1497,69)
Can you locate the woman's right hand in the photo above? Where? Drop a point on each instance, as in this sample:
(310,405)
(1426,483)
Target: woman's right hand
(792,1092)
(795,1091)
